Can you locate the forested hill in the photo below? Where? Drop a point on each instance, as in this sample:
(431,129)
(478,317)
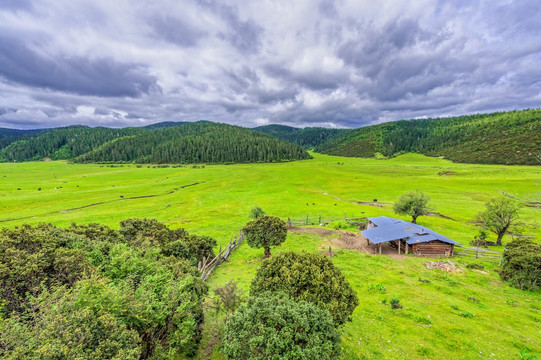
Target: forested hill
(199,142)
(62,143)
(499,138)
(7,136)
(307,138)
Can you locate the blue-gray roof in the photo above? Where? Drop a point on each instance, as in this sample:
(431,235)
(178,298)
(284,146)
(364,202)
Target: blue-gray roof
(389,229)
(383,220)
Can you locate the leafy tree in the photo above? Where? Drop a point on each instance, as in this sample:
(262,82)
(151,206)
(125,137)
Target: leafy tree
(134,288)
(62,329)
(32,258)
(145,232)
(256,212)
(521,264)
(414,204)
(307,277)
(265,232)
(500,215)
(200,246)
(275,326)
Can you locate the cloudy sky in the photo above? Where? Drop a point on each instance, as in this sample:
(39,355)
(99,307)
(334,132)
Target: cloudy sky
(302,63)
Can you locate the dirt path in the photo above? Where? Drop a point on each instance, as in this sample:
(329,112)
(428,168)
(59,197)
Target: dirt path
(339,238)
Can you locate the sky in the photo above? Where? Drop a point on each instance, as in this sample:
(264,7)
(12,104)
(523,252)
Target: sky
(302,63)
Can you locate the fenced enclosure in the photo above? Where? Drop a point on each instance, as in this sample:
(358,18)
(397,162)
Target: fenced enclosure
(206,266)
(320,220)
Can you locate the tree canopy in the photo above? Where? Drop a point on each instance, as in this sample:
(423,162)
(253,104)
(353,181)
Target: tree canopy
(264,232)
(166,143)
(307,277)
(521,264)
(501,214)
(512,137)
(99,293)
(275,326)
(414,204)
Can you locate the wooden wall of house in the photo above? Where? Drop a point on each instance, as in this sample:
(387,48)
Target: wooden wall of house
(433,248)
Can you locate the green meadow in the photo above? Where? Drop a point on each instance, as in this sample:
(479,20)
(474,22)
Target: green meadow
(466,314)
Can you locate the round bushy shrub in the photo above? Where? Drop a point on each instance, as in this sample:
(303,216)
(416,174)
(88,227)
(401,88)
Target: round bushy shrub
(274,326)
(521,264)
(308,277)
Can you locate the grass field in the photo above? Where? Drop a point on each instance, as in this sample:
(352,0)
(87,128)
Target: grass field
(467,314)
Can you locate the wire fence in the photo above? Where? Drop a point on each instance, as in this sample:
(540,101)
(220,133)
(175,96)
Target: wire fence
(321,220)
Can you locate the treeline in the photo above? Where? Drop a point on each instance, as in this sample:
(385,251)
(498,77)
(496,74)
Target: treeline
(308,137)
(62,143)
(168,142)
(500,138)
(8,136)
(199,142)
(91,292)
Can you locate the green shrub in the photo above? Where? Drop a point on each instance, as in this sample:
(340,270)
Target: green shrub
(339,225)
(275,326)
(256,212)
(307,277)
(36,257)
(475,266)
(65,330)
(395,303)
(521,264)
(466,314)
(377,288)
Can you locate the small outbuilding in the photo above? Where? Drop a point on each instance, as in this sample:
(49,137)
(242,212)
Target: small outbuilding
(406,237)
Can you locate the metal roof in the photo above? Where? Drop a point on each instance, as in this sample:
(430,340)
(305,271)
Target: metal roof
(389,229)
(383,220)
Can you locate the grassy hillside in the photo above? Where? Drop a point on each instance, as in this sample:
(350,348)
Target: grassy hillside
(215,200)
(199,142)
(499,138)
(307,137)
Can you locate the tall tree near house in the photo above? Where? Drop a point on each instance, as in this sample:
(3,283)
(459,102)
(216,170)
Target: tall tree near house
(414,204)
(264,232)
(500,216)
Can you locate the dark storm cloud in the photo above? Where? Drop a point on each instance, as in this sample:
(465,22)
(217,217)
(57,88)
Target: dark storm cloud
(84,76)
(176,30)
(329,63)
(16,4)
(242,34)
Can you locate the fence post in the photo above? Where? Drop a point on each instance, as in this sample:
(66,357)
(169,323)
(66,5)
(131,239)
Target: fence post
(288,222)
(346,217)
(319,219)
(306,223)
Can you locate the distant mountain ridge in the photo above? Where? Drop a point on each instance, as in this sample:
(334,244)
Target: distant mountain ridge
(308,137)
(512,138)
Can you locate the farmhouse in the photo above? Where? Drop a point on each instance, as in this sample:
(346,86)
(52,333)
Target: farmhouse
(406,236)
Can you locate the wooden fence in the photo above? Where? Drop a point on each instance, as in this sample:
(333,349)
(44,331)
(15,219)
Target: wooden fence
(206,266)
(478,253)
